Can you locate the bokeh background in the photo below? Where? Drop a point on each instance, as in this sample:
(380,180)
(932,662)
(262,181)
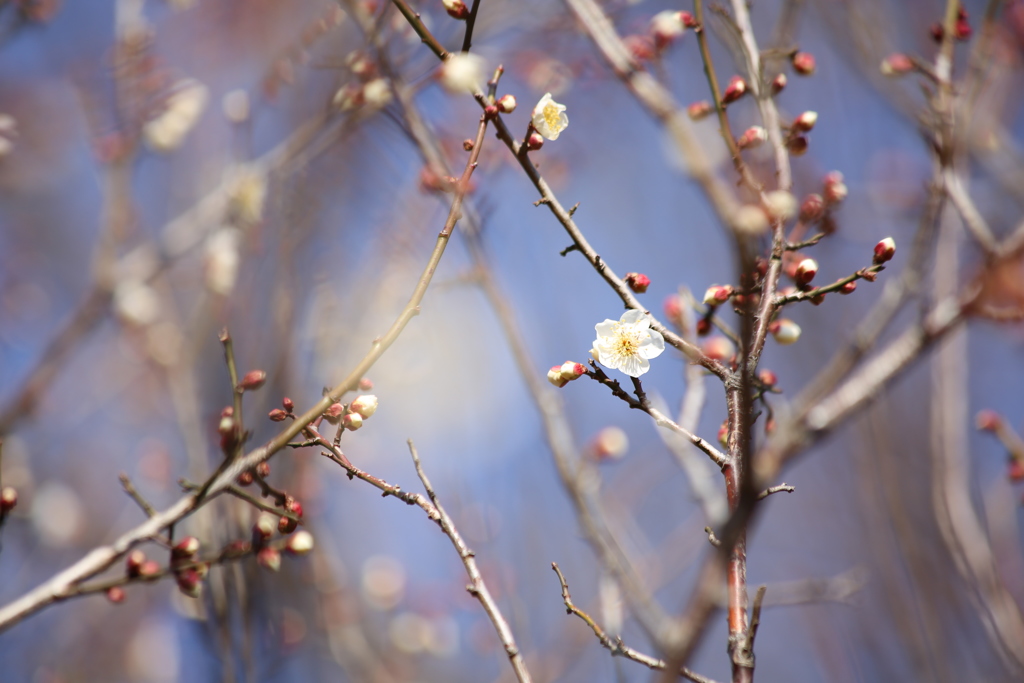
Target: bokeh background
(328,257)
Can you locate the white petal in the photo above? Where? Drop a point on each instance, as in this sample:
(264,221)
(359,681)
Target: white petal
(653,346)
(632,316)
(606,329)
(634,366)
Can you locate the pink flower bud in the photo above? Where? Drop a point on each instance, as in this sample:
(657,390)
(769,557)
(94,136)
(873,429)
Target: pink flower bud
(365,405)
(641,47)
(150,569)
(365,384)
(115,594)
(666,26)
(785,331)
(988,421)
(897,64)
(716,295)
(189,582)
(803,63)
(835,188)
(456,9)
(884,251)
(293,506)
(812,208)
(688,20)
(638,282)
(805,121)
(253,380)
(269,558)
(818,299)
(555,376)
(718,348)
(778,84)
(490,111)
(301,543)
(611,443)
(703,327)
(506,104)
(805,271)
(571,370)
(8,499)
(286,525)
(277,415)
(723,434)
(534,142)
(288,404)
(736,89)
(352,421)
(245,478)
(768,378)
(699,110)
(752,137)
(1015,471)
(133,563)
(226,425)
(263,469)
(334,412)
(673,308)
(797,145)
(186,548)
(849,287)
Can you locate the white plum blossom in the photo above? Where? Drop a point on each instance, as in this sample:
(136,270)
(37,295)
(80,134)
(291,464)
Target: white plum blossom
(462,72)
(628,343)
(166,131)
(549,118)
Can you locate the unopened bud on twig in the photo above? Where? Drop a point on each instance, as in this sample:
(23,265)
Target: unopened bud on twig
(666,26)
(897,64)
(785,331)
(133,563)
(8,499)
(849,287)
(750,220)
(988,420)
(190,583)
(768,378)
(638,282)
(286,525)
(365,405)
(269,558)
(884,251)
(262,529)
(253,380)
(835,188)
(555,376)
(805,121)
(263,469)
(805,271)
(736,89)
(115,594)
(797,145)
(718,348)
(571,370)
(673,308)
(717,295)
(781,205)
(812,208)
(752,137)
(277,415)
(456,9)
(803,63)
(186,548)
(534,142)
(779,84)
(301,543)
(334,412)
(506,104)
(699,110)
(352,421)
(611,443)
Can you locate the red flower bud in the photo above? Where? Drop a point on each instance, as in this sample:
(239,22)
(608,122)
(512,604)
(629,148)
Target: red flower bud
(277,415)
(988,420)
(736,89)
(245,478)
(805,271)
(286,525)
(8,499)
(263,469)
(803,63)
(534,142)
(812,208)
(768,378)
(253,380)
(884,251)
(186,548)
(779,83)
(849,287)
(115,594)
(703,327)
(288,404)
(133,563)
(638,282)
(190,582)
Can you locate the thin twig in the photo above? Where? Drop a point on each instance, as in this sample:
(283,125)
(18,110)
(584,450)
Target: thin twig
(130,489)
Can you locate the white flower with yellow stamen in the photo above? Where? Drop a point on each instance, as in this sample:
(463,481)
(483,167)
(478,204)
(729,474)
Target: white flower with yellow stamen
(549,118)
(627,344)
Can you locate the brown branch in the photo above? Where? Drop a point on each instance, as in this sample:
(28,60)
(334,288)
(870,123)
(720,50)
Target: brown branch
(130,489)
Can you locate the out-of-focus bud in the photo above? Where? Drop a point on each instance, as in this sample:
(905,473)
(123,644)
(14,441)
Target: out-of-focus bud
(286,525)
(666,27)
(352,421)
(835,188)
(797,145)
(150,569)
(263,469)
(301,543)
(688,20)
(897,64)
(277,415)
(253,380)
(166,131)
(456,9)
(768,378)
(269,558)
(555,376)
(571,370)
(781,205)
(245,478)
(723,434)
(736,89)
(988,420)
(718,348)
(962,29)
(699,110)
(377,93)
(818,299)
(805,121)
(673,308)
(641,47)
(703,327)
(506,104)
(534,142)
(289,405)
(752,137)
(750,220)
(334,412)
(716,295)
(805,271)
(365,405)
(293,506)
(359,63)
(779,84)
(462,72)
(190,583)
(812,208)
(365,384)
(115,594)
(884,251)
(638,282)
(803,63)
(785,331)
(937,32)
(262,529)
(235,105)
(8,499)
(849,287)
(133,563)
(611,443)
(186,548)
(1015,471)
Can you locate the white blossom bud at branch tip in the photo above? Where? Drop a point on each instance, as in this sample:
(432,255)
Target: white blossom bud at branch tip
(805,271)
(717,295)
(462,72)
(785,331)
(352,421)
(301,543)
(365,405)
(571,370)
(555,376)
(506,104)
(884,250)
(805,121)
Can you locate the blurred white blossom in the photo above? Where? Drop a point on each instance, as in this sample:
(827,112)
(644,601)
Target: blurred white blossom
(167,130)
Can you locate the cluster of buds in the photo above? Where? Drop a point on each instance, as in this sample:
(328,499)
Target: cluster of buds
(961,29)
(560,375)
(638,282)
(188,573)
(284,412)
(351,417)
(261,470)
(287,524)
(136,566)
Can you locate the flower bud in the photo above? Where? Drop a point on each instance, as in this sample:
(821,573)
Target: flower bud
(884,251)
(293,506)
(785,331)
(937,32)
(262,529)
(797,145)
(534,142)
(8,499)
(736,89)
(812,208)
(835,188)
(805,122)
(752,137)
(352,421)
(253,380)
(456,9)
(301,543)
(115,594)
(490,111)
(849,287)
(286,525)
(365,384)
(611,443)
(897,64)
(226,425)
(778,84)
(688,20)
(818,299)
(263,469)
(245,478)
(781,205)
(988,421)
(462,72)
(718,348)
(723,434)
(805,271)
(190,583)
(699,110)
(288,404)
(133,563)
(638,282)
(703,327)
(555,376)
(187,548)
(750,220)
(334,412)
(365,405)
(673,308)
(571,370)
(717,295)
(1015,471)
(666,27)
(277,415)
(269,558)
(641,47)
(803,63)
(149,570)
(768,378)
(769,425)
(506,104)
